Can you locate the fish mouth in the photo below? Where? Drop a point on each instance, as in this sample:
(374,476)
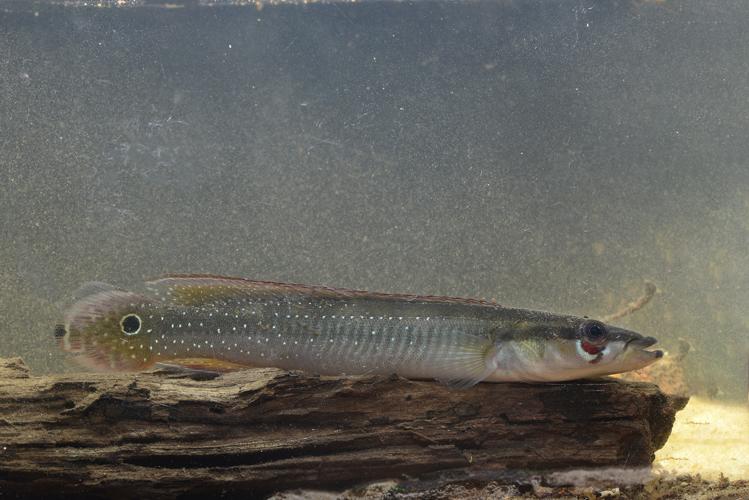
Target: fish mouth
(642,343)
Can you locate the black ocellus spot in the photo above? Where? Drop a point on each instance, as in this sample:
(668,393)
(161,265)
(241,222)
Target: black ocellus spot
(130,324)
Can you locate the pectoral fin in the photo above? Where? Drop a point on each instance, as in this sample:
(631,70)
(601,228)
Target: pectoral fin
(471,364)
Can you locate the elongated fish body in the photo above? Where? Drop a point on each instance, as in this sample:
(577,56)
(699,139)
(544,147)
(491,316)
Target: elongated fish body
(336,331)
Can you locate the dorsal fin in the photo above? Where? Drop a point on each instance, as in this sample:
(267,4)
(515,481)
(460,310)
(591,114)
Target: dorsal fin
(199,288)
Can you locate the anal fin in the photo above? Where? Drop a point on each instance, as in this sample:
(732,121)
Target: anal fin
(198,368)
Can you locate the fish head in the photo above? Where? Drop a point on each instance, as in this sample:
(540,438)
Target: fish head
(594,348)
(104,331)
(614,349)
(569,348)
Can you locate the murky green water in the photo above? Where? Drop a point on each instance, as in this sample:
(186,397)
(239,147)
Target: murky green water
(551,155)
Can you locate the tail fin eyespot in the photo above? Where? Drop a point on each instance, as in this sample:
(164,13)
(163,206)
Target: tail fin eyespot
(130,324)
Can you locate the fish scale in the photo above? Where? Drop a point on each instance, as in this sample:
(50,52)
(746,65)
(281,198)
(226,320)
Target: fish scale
(346,342)
(338,331)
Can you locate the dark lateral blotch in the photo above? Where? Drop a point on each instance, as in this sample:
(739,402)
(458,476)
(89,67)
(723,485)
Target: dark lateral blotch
(59,331)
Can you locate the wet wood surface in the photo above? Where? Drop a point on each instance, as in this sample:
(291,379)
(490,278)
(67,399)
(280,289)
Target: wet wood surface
(254,432)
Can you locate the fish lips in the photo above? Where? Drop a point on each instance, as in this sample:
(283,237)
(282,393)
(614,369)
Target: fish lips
(635,343)
(642,343)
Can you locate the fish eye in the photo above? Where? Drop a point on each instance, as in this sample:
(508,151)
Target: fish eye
(130,324)
(594,331)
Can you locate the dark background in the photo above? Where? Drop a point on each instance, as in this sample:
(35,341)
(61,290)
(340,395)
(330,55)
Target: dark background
(551,155)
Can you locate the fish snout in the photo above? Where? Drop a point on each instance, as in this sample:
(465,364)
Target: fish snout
(644,342)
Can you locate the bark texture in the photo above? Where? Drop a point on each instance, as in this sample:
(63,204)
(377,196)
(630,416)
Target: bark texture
(254,432)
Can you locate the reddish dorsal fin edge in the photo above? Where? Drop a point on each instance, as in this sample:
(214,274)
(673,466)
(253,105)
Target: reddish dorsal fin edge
(317,291)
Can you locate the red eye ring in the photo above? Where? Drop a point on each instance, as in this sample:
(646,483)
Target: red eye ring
(593,333)
(590,348)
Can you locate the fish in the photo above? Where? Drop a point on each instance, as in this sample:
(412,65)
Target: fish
(338,331)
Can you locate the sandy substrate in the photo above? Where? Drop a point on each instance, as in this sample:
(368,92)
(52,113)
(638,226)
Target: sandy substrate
(708,439)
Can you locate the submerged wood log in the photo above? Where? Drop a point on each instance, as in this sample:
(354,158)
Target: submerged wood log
(264,430)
